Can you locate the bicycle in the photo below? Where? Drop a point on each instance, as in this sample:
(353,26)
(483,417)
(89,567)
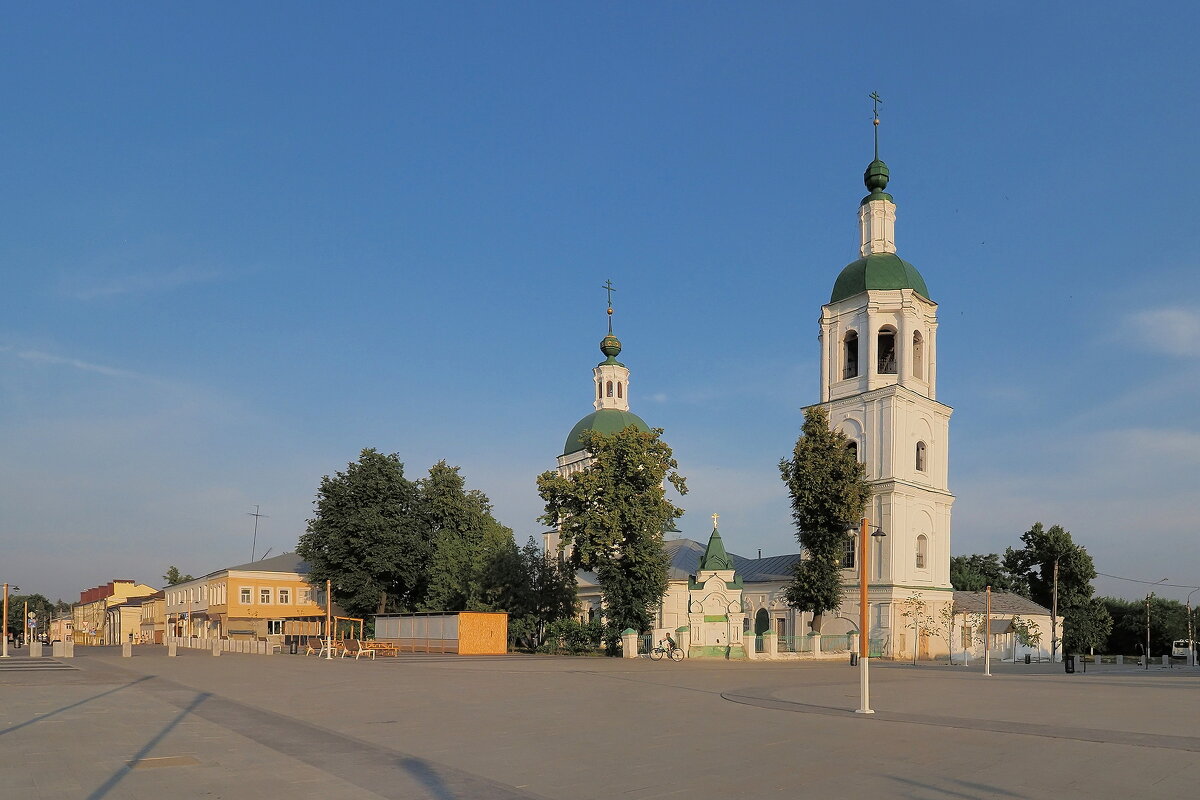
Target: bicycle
(674,653)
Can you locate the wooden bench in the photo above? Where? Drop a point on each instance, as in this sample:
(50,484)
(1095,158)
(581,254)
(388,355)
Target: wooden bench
(382,648)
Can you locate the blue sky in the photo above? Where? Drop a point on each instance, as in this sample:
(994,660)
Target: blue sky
(241,243)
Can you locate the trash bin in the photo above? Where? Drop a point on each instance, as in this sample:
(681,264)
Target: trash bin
(294,647)
(853,659)
(1028,660)
(1069,663)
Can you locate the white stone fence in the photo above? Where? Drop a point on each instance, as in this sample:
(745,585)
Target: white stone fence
(252,646)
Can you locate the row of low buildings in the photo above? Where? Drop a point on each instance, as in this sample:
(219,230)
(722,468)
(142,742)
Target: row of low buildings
(265,599)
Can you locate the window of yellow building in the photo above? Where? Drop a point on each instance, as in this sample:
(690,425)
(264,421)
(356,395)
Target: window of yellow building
(264,596)
(245,595)
(285,596)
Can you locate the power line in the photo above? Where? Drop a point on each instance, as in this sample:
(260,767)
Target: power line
(1149,583)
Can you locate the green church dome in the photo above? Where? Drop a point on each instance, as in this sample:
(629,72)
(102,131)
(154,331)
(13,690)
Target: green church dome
(878,271)
(606,420)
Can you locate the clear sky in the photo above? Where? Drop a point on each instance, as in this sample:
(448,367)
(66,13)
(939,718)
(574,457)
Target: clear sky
(241,242)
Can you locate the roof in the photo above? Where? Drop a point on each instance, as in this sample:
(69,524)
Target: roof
(715,556)
(685,556)
(606,420)
(1002,603)
(286,562)
(877,271)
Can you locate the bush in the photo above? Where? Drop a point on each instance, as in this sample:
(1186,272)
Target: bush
(572,637)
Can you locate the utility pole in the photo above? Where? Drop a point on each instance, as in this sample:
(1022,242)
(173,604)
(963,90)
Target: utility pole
(254,541)
(1054,617)
(1149,597)
(5,646)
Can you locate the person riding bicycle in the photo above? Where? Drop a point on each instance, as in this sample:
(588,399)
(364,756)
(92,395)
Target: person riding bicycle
(669,642)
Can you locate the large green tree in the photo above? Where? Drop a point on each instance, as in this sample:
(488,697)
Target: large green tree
(39,605)
(366,537)
(464,537)
(1034,563)
(536,588)
(612,515)
(829,492)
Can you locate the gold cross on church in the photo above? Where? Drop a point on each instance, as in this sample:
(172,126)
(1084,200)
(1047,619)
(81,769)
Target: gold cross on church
(715,518)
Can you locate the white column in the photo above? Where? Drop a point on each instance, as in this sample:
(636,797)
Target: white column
(826,367)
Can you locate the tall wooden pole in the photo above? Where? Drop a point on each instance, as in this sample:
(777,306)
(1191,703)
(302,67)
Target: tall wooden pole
(5,646)
(328,629)
(987,632)
(864,622)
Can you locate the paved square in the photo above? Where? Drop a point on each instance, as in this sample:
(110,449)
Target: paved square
(446,727)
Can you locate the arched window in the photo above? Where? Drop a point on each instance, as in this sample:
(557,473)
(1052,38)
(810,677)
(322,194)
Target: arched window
(922,548)
(850,355)
(599,391)
(608,388)
(620,389)
(920,456)
(848,551)
(853,448)
(918,352)
(887,352)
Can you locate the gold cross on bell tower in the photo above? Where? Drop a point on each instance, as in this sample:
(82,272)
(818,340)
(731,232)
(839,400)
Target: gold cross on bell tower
(715,518)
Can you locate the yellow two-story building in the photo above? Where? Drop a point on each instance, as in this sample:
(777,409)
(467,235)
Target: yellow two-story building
(265,600)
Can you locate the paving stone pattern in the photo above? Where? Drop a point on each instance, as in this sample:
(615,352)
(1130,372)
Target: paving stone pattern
(444,727)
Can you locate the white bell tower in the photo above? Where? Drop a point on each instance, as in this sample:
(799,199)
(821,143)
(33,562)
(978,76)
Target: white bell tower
(879,385)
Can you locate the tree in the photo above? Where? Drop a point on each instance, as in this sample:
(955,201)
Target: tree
(39,605)
(366,538)
(541,593)
(1035,562)
(173,577)
(829,492)
(974,573)
(1088,627)
(1028,633)
(917,618)
(611,515)
(463,536)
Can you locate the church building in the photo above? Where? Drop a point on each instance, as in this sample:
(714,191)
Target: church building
(878,382)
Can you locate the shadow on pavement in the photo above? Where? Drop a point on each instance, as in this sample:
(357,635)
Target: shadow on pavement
(120,774)
(49,714)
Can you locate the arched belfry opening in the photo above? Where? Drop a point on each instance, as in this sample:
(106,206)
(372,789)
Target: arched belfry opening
(886,351)
(850,355)
(918,356)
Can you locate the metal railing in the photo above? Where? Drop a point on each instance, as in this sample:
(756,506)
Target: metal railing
(794,644)
(835,643)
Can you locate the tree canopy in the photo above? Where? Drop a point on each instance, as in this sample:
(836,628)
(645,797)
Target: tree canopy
(365,536)
(611,516)
(1087,622)
(464,539)
(829,493)
(974,573)
(174,577)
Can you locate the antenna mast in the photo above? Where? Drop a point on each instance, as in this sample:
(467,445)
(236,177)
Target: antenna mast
(254,541)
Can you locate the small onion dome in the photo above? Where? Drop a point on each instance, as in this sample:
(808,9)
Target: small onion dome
(876,179)
(611,346)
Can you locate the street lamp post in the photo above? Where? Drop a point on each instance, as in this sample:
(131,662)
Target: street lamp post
(864,620)
(1150,597)
(1191,643)
(4,654)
